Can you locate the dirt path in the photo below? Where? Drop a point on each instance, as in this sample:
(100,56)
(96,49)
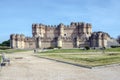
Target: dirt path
(24,66)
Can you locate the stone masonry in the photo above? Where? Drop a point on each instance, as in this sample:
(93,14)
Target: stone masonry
(75,35)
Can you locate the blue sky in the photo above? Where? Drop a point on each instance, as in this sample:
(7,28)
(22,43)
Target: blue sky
(17,16)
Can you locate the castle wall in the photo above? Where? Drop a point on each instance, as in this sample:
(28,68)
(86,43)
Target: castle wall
(67,44)
(47,44)
(70,36)
(70,31)
(30,43)
(51,32)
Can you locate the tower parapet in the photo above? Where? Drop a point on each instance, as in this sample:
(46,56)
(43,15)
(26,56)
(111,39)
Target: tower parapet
(77,34)
(61,27)
(17,40)
(99,39)
(12,41)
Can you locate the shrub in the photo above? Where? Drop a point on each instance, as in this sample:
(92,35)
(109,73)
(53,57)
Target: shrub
(4,48)
(50,47)
(59,47)
(114,46)
(87,47)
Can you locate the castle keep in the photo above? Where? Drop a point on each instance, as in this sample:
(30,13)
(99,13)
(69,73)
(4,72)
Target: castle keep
(75,35)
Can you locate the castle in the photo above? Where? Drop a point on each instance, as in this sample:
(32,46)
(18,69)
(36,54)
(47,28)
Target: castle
(75,35)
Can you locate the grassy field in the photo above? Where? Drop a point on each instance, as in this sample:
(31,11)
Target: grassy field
(79,50)
(83,57)
(113,50)
(0,58)
(12,50)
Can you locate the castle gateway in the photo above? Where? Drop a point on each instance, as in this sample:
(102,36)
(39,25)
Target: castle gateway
(75,35)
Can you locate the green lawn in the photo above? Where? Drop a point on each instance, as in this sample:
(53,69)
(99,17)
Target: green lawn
(0,58)
(82,57)
(67,51)
(113,50)
(79,50)
(12,50)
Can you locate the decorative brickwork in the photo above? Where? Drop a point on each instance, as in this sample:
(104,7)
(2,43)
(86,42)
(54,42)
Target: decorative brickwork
(75,35)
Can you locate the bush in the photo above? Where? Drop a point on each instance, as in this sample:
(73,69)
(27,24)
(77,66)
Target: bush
(59,47)
(50,47)
(115,46)
(4,48)
(87,47)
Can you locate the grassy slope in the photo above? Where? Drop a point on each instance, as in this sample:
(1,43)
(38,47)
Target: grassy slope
(0,58)
(67,51)
(12,50)
(89,59)
(86,59)
(79,50)
(113,50)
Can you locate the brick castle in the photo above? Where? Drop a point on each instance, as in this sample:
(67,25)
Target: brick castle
(75,35)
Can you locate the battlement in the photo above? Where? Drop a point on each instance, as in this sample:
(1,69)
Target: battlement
(17,36)
(99,35)
(75,24)
(74,35)
(81,24)
(76,28)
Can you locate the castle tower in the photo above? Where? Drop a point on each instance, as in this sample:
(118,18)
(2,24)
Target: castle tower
(18,41)
(61,27)
(93,40)
(41,30)
(12,41)
(88,29)
(99,39)
(82,28)
(59,42)
(104,40)
(22,41)
(39,42)
(77,42)
(35,30)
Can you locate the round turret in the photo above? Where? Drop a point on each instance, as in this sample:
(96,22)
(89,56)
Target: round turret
(17,36)
(40,24)
(12,36)
(61,24)
(99,35)
(72,23)
(22,36)
(104,36)
(94,36)
(33,25)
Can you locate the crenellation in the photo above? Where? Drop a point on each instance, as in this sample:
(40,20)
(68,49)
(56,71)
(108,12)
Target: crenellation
(72,24)
(55,26)
(75,35)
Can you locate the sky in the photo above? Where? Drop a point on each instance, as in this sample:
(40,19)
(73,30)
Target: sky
(17,16)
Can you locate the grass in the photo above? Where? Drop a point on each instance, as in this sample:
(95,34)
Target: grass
(88,59)
(67,51)
(113,50)
(0,58)
(79,50)
(12,50)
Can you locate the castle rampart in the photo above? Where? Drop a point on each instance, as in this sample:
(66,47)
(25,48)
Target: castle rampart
(77,34)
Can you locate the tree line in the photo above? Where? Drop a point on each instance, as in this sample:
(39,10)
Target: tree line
(5,43)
